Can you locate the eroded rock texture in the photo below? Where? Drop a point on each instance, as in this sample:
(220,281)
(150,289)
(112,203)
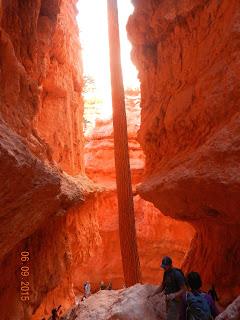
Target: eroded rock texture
(157,235)
(40,136)
(232,312)
(187,53)
(128,304)
(132,303)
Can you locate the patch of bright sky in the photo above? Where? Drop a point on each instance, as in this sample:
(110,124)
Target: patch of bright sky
(92,20)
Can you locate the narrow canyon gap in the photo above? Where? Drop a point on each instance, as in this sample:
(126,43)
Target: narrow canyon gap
(53,202)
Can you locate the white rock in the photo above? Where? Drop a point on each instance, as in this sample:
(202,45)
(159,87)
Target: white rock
(232,312)
(125,304)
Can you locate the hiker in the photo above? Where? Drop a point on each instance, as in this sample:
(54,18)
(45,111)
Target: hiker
(109,287)
(87,289)
(55,315)
(102,286)
(197,305)
(173,286)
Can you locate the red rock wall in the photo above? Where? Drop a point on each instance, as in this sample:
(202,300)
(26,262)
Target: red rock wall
(59,118)
(40,136)
(74,241)
(187,53)
(53,249)
(41,78)
(157,236)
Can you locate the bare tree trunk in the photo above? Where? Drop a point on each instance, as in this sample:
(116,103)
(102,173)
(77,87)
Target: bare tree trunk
(127,231)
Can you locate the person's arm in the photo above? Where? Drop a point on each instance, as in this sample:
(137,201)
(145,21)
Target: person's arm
(177,294)
(214,309)
(158,290)
(181,284)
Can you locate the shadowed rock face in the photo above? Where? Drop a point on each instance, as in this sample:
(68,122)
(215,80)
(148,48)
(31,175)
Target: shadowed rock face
(40,136)
(31,190)
(187,53)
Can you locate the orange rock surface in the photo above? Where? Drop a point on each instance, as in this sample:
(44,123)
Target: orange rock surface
(187,54)
(40,136)
(188,60)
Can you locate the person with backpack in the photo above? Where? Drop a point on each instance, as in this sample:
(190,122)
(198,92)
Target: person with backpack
(197,305)
(173,286)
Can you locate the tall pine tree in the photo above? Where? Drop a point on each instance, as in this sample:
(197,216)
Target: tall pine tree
(127,230)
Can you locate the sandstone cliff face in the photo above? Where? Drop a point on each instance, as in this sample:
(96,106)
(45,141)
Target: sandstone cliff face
(187,53)
(157,235)
(59,119)
(41,78)
(40,114)
(69,241)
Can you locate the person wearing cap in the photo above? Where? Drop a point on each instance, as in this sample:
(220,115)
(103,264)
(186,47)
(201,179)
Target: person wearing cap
(173,286)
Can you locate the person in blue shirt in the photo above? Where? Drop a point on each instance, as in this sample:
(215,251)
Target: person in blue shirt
(173,287)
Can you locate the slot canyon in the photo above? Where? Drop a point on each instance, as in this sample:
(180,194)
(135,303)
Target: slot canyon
(58,195)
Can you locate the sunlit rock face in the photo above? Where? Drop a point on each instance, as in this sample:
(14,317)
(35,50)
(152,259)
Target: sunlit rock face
(40,136)
(41,78)
(187,54)
(59,118)
(157,235)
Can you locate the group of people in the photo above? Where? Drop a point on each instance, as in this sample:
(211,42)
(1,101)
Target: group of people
(104,286)
(184,297)
(87,288)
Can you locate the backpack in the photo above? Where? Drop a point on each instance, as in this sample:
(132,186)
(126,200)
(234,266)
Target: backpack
(180,270)
(197,307)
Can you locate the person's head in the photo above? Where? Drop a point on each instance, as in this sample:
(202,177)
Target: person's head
(54,312)
(194,281)
(166,263)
